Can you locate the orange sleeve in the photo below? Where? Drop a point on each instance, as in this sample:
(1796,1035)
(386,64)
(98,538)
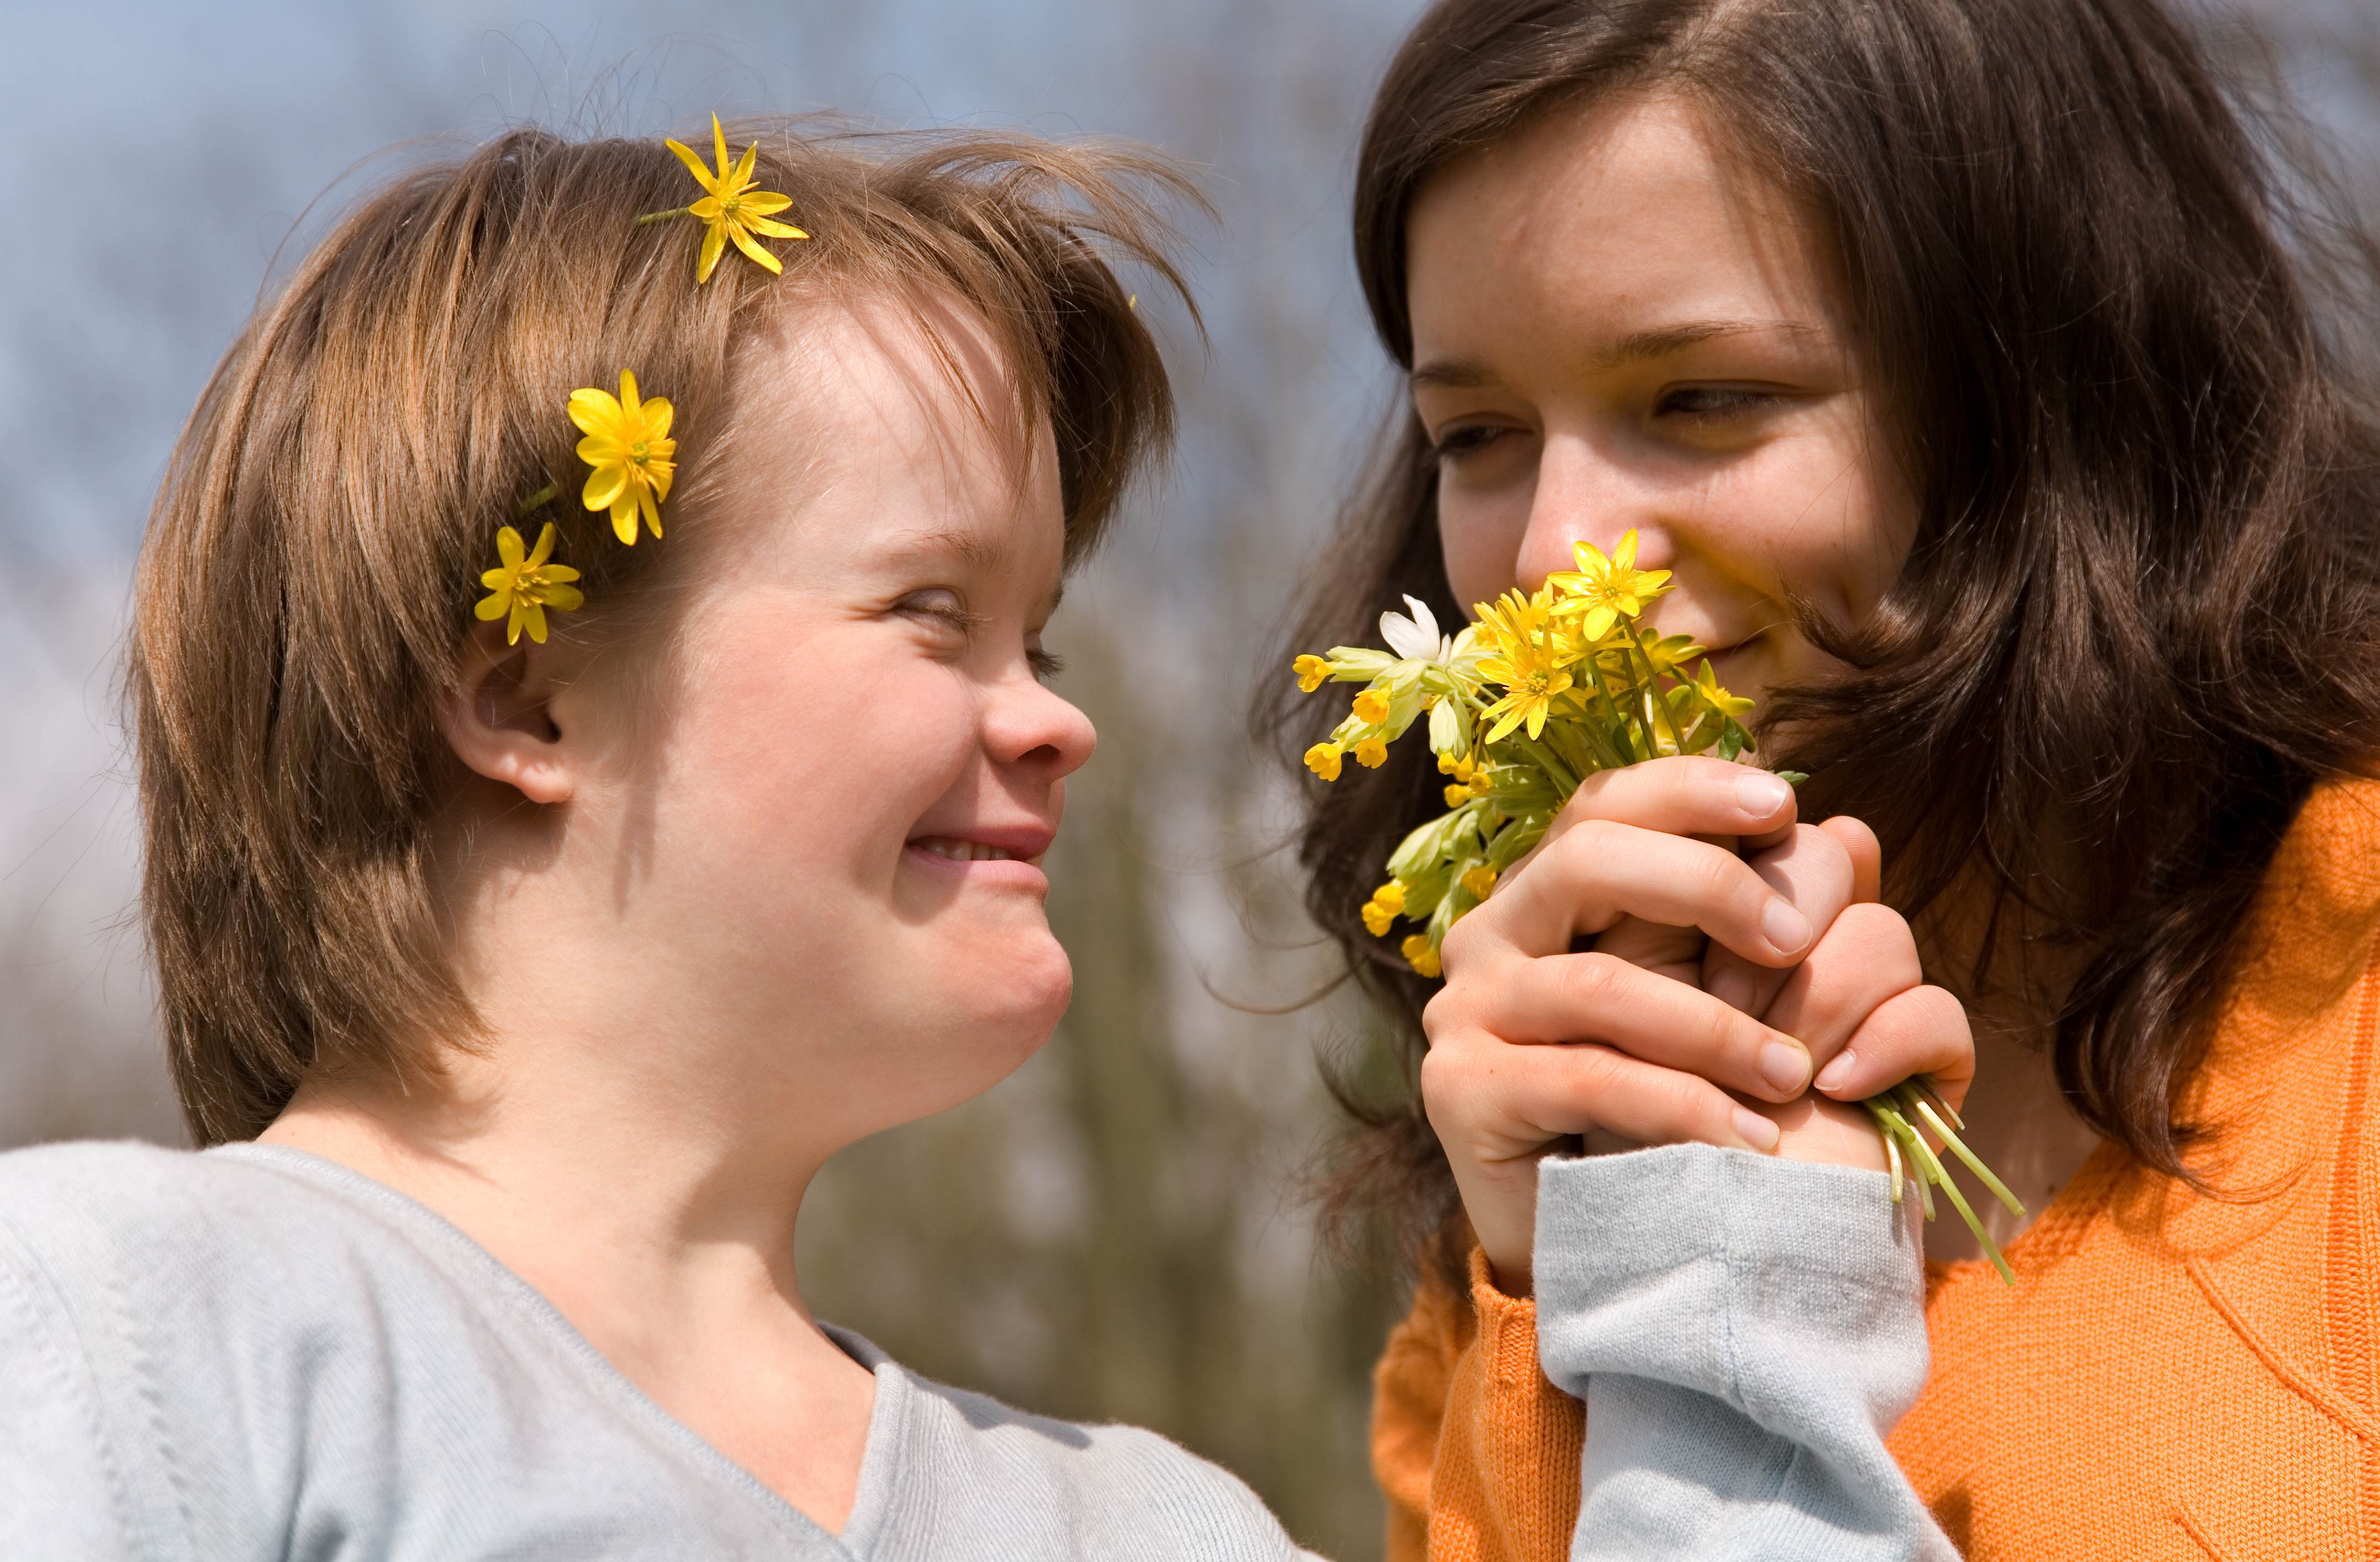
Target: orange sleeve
(1477,1452)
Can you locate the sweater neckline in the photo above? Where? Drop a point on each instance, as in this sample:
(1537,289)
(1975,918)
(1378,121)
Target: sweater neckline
(888,1417)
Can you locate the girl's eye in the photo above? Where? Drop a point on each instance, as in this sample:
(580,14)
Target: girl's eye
(941,608)
(1456,443)
(1046,664)
(1711,403)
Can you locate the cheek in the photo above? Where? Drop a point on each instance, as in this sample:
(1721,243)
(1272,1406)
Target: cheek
(1481,535)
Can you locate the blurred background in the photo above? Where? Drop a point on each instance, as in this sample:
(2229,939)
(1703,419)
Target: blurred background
(1117,1232)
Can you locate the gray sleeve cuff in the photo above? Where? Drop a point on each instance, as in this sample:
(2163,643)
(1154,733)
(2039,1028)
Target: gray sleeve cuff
(1744,1331)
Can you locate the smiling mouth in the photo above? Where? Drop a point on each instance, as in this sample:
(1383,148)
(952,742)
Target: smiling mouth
(964,850)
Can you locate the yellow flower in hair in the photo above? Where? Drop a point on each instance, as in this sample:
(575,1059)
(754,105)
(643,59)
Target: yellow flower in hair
(1310,671)
(524,586)
(1323,760)
(627,444)
(1420,956)
(1371,754)
(1372,707)
(733,208)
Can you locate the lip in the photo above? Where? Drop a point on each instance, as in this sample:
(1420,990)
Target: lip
(1024,846)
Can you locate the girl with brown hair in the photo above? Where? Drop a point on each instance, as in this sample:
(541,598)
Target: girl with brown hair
(1962,360)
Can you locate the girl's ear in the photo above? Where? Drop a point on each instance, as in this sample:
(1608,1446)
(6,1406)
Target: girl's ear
(500,718)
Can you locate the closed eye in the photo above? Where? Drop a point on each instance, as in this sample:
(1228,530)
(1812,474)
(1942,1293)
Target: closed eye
(941,607)
(1469,440)
(1713,403)
(1046,664)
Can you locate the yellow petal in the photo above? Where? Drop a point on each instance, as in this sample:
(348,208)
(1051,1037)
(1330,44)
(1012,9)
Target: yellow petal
(708,209)
(744,164)
(545,549)
(687,156)
(714,239)
(773,229)
(508,548)
(657,415)
(652,512)
(567,598)
(628,392)
(1624,556)
(624,518)
(558,573)
(492,607)
(534,616)
(659,473)
(743,242)
(760,204)
(719,139)
(594,411)
(603,487)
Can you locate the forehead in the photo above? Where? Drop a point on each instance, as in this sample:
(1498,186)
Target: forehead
(1620,210)
(864,429)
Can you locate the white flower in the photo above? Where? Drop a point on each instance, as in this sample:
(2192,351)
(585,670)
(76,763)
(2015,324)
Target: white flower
(1416,639)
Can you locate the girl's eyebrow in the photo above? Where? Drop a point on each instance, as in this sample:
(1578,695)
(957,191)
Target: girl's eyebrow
(1644,346)
(1639,346)
(973,549)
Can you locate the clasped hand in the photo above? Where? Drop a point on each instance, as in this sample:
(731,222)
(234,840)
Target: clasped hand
(1678,960)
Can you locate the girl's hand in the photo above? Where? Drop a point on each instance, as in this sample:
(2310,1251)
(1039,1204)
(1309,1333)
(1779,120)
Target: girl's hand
(1651,1054)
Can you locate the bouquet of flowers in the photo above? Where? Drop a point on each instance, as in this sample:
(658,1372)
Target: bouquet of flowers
(1544,690)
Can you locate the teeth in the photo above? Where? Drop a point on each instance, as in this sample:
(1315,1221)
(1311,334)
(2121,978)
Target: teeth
(965,851)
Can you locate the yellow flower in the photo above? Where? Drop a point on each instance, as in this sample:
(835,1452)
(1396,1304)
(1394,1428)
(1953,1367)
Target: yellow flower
(734,211)
(1420,956)
(1371,754)
(1310,671)
(1372,707)
(1323,760)
(1604,589)
(1719,699)
(1524,663)
(1377,918)
(1479,880)
(1391,895)
(1456,796)
(627,444)
(524,586)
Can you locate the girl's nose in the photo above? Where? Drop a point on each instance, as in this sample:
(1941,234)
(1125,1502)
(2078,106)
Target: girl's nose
(1027,725)
(1581,496)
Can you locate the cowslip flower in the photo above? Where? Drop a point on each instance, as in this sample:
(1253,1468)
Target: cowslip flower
(1323,760)
(1382,908)
(1605,589)
(1372,707)
(1420,956)
(525,584)
(1311,671)
(1524,664)
(628,448)
(1371,753)
(734,209)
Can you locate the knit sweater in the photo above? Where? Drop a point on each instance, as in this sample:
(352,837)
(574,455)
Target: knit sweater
(2174,1376)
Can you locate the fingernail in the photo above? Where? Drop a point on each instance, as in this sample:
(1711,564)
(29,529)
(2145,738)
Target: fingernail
(1785,1067)
(1761,793)
(1755,1130)
(1837,1069)
(1786,927)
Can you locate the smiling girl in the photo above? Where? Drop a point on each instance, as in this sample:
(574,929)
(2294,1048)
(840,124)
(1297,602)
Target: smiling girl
(1958,358)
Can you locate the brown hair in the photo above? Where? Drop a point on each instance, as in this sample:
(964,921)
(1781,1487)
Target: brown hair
(311,563)
(2139,617)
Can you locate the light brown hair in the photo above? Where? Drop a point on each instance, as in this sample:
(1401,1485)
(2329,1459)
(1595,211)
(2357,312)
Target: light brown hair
(310,566)
(2141,616)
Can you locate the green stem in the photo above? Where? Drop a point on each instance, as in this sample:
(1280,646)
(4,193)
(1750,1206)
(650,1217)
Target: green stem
(663,216)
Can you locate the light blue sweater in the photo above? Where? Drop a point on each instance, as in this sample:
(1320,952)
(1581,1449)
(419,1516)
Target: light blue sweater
(254,1353)
(1744,1331)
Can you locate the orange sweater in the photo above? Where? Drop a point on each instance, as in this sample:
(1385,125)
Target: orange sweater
(2172,1377)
